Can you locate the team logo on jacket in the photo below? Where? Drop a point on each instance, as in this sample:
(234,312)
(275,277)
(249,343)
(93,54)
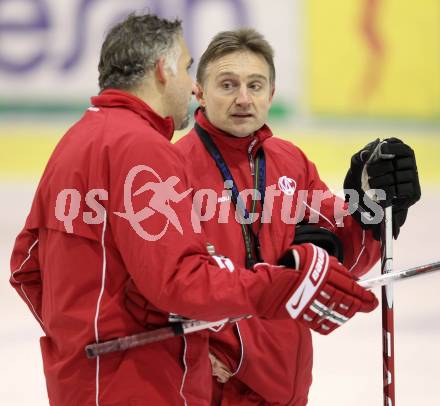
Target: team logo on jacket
(162,192)
(287,185)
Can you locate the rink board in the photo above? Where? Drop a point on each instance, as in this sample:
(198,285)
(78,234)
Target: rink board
(348,363)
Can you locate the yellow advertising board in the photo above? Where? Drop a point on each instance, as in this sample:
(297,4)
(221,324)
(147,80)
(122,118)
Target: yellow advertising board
(374,58)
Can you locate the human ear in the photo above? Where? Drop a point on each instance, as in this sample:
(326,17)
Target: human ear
(272,92)
(160,70)
(199,94)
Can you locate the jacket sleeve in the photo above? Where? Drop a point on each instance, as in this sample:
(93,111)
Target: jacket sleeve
(166,259)
(361,251)
(26,273)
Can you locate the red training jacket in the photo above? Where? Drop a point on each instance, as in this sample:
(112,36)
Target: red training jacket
(272,360)
(112,204)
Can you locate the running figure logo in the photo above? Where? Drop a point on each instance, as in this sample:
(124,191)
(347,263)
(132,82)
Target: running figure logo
(163,193)
(287,185)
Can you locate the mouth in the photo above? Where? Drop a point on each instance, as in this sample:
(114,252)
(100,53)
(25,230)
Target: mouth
(242,115)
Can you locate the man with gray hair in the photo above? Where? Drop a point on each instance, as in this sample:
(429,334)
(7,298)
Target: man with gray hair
(114,205)
(133,50)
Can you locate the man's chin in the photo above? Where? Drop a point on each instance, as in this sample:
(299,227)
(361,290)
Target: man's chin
(241,132)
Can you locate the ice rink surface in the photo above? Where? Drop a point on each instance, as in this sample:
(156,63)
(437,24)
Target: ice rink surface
(348,363)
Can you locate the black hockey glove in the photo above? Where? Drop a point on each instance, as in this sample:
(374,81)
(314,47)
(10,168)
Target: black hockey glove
(385,172)
(320,237)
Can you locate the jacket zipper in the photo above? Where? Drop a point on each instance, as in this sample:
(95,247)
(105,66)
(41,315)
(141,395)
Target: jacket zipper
(251,158)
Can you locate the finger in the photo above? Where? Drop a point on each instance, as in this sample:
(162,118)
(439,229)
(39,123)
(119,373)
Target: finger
(397,149)
(388,191)
(369,306)
(404,163)
(403,176)
(404,190)
(380,167)
(326,328)
(365,296)
(393,140)
(344,282)
(369,301)
(381,181)
(350,306)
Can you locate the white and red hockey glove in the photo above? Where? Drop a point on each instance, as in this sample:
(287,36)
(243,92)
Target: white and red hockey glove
(326,294)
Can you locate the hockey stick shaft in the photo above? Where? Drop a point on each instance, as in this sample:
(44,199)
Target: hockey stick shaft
(388,310)
(136,340)
(390,278)
(186,327)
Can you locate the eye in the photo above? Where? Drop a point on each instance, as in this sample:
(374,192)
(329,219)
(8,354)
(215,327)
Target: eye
(255,86)
(227,85)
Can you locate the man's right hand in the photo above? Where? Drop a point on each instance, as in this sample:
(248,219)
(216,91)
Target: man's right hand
(326,295)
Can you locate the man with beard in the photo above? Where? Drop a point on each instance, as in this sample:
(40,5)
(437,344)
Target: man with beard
(91,228)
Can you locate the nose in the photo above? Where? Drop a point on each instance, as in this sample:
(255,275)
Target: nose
(243,98)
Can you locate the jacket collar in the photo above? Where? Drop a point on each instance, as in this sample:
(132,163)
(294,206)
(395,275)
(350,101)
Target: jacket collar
(225,140)
(119,98)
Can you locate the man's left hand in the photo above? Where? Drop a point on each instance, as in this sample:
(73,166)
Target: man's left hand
(389,165)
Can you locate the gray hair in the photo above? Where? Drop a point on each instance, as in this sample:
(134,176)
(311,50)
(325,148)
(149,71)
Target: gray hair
(132,48)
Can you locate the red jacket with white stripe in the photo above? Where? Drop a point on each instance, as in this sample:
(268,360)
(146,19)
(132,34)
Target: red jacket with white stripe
(272,360)
(88,232)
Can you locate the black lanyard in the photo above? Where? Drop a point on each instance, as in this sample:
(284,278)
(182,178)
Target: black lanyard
(251,241)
